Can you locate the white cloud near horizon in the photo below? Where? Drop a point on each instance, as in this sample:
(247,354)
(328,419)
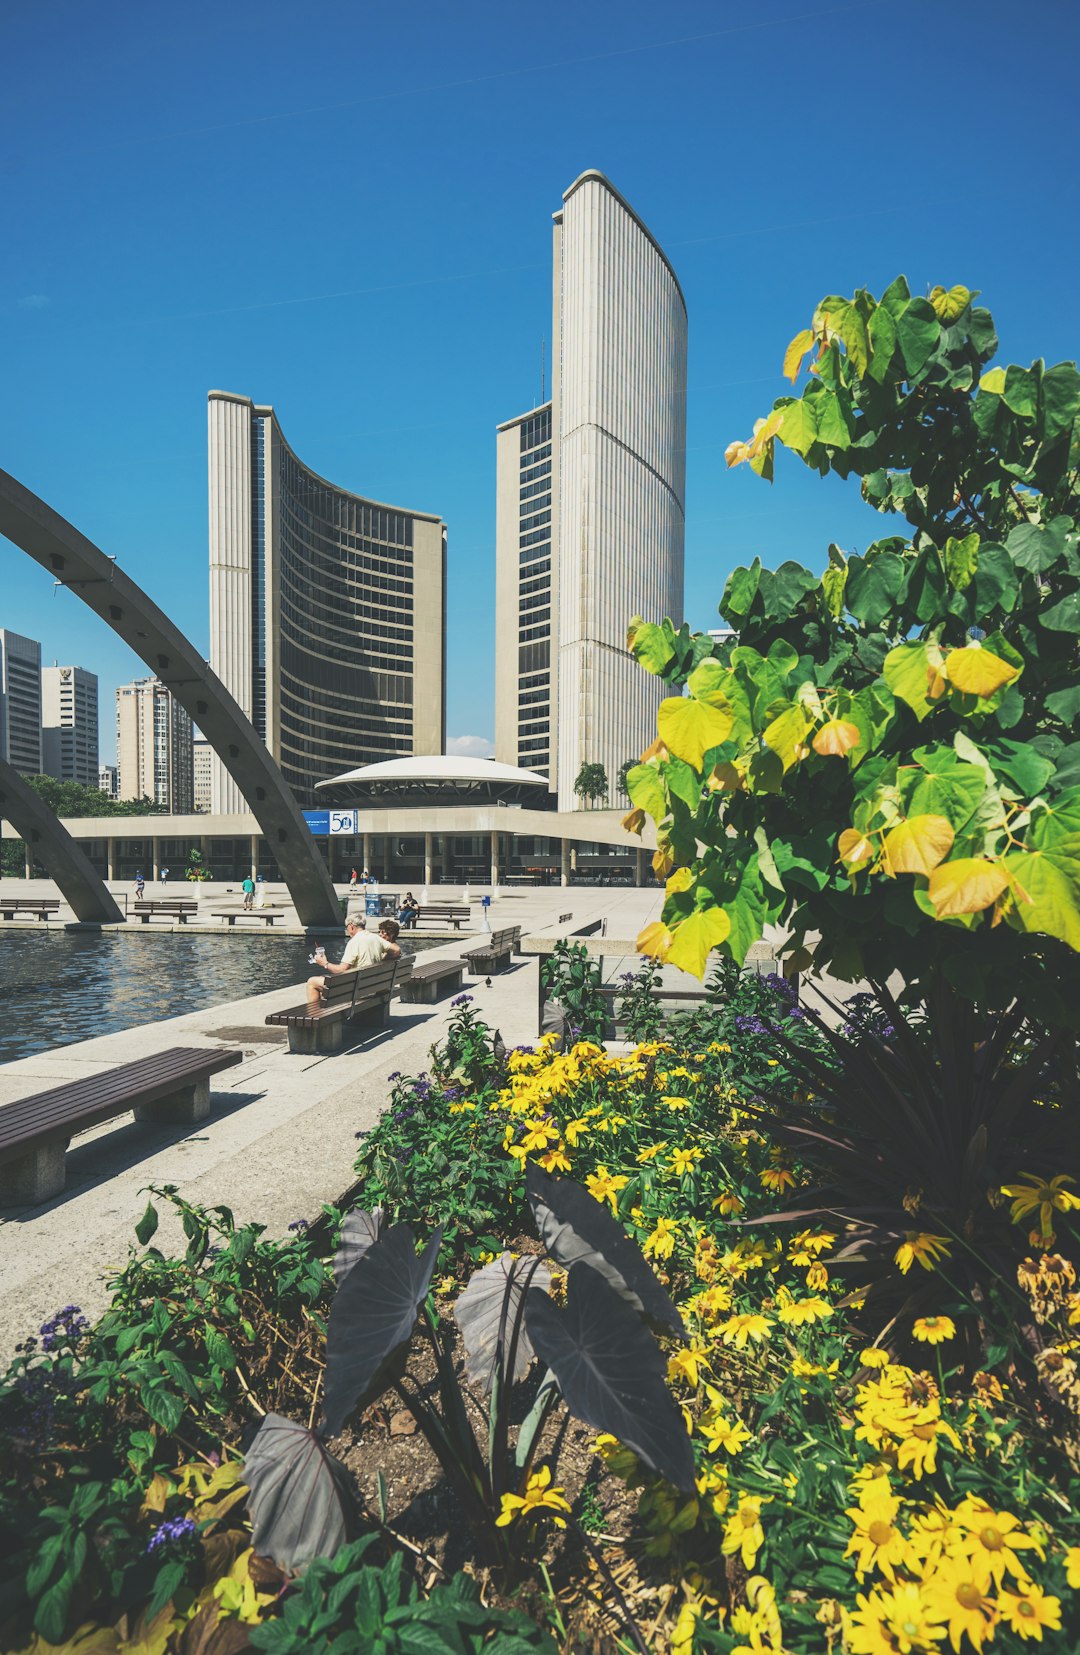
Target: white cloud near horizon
(470,747)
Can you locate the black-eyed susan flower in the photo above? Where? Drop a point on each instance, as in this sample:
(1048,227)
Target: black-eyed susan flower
(738,1329)
(933,1330)
(539,1497)
(1030,1611)
(920,1247)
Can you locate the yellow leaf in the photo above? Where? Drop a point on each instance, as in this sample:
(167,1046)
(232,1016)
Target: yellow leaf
(764,431)
(662,862)
(736,452)
(793,356)
(654,940)
(786,735)
(917,845)
(836,738)
(681,880)
(693,940)
(157,1493)
(993,381)
(656,750)
(965,886)
(724,778)
(634,821)
(855,849)
(689,728)
(949,305)
(977,671)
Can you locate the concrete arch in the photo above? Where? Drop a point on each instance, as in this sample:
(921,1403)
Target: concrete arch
(77,563)
(47,836)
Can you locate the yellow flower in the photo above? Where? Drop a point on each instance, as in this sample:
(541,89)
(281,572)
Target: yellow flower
(809,1245)
(802,1311)
(802,1369)
(712,1301)
(573,1130)
(720,1432)
(934,1330)
(1031,1193)
(661,1244)
(1072,1567)
(445,1284)
(539,1496)
(894,1622)
(743,1533)
(991,1540)
(688,1363)
(460,1108)
(958,1598)
(602,1186)
(683,1161)
(738,1329)
(921,1248)
(538,1134)
(555,1159)
(817,1277)
(877,1543)
(778,1179)
(646,1155)
(728,1203)
(1029,1611)
(925,1428)
(874,1357)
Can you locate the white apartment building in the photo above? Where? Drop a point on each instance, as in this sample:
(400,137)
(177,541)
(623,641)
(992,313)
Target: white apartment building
(69,724)
(590,497)
(20,702)
(203,775)
(153,746)
(109,781)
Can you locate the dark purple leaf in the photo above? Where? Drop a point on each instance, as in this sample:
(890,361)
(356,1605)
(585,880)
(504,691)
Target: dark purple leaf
(301,1499)
(372,1317)
(611,1371)
(574,1226)
(479,1314)
(359,1231)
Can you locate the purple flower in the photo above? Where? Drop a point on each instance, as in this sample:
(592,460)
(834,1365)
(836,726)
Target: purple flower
(299,1224)
(461,1000)
(173,1532)
(395,1076)
(65,1327)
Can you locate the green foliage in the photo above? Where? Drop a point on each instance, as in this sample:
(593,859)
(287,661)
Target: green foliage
(197,871)
(73,799)
(344,1603)
(591,785)
(885,762)
(638,1009)
(624,770)
(568,976)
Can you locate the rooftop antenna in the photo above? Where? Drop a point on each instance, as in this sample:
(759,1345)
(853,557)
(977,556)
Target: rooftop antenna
(543,370)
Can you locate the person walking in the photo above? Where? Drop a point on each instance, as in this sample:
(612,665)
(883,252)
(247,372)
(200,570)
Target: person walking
(140,884)
(164,876)
(353,877)
(248,888)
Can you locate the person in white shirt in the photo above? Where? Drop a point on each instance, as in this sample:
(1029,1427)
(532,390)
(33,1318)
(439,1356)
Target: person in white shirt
(361,950)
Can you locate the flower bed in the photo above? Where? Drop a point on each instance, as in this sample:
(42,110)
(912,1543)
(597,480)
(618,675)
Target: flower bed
(855,1486)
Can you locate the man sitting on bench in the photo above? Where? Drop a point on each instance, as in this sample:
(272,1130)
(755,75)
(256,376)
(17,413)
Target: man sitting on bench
(360,951)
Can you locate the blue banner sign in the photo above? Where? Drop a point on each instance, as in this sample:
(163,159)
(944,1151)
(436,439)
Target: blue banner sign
(319,822)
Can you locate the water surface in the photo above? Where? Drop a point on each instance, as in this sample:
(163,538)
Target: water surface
(57,987)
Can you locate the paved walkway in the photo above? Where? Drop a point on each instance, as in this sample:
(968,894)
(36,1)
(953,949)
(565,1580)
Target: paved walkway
(281,1137)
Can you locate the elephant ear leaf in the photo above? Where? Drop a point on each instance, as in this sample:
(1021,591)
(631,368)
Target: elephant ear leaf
(300,1496)
(574,1226)
(479,1314)
(372,1317)
(359,1232)
(610,1371)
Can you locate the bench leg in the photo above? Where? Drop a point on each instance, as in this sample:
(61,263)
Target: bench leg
(34,1177)
(314,1042)
(188,1105)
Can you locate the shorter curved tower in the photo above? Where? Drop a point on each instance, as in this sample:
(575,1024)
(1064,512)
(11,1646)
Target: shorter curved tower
(327,610)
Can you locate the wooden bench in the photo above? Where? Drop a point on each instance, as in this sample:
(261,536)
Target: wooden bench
(175,907)
(493,954)
(172,1085)
(456,914)
(431,979)
(348,995)
(47,908)
(231,915)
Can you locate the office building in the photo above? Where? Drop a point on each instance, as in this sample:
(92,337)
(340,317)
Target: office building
(153,746)
(327,609)
(203,775)
(69,724)
(20,702)
(109,781)
(590,501)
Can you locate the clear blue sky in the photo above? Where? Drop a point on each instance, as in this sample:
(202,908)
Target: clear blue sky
(345,210)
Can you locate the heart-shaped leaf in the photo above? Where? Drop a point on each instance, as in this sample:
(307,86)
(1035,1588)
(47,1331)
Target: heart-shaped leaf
(690,728)
(977,671)
(965,886)
(575,1227)
(301,1499)
(372,1316)
(611,1371)
(359,1232)
(479,1314)
(917,845)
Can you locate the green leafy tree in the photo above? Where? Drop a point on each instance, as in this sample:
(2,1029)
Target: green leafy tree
(70,799)
(197,871)
(885,761)
(624,770)
(591,785)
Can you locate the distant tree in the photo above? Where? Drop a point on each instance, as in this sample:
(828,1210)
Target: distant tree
(624,770)
(591,784)
(69,799)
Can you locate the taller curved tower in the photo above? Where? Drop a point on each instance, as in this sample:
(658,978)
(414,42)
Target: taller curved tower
(327,610)
(613,442)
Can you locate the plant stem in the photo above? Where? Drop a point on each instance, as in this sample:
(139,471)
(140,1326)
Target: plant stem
(624,1608)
